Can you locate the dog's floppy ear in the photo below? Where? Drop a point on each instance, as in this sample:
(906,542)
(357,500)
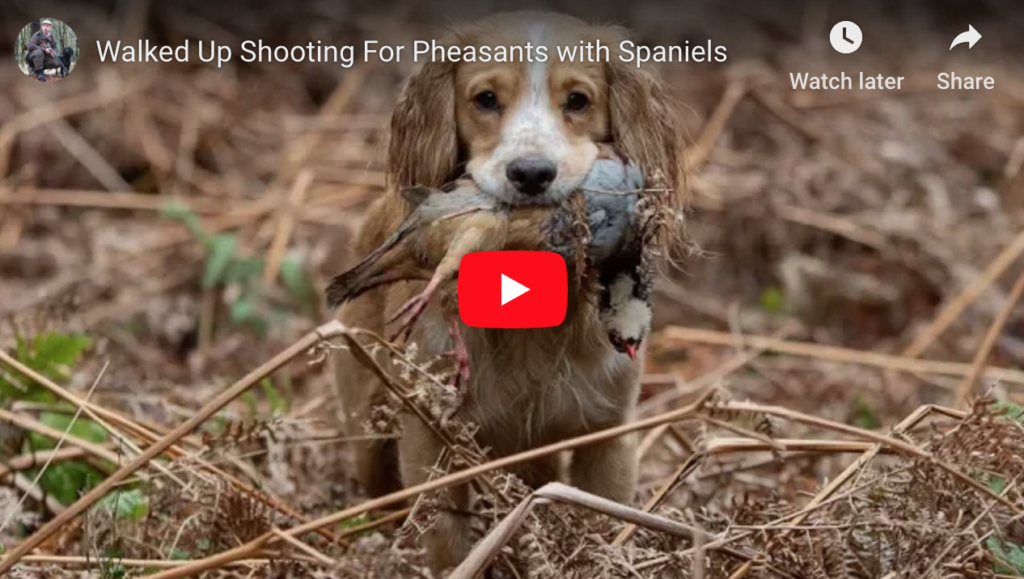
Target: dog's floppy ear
(424,144)
(645,122)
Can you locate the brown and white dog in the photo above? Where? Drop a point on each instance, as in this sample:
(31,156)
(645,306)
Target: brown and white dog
(527,133)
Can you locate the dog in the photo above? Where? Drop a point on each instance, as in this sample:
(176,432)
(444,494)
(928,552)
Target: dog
(66,55)
(527,133)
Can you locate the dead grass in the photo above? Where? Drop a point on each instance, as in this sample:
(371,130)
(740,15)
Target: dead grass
(828,387)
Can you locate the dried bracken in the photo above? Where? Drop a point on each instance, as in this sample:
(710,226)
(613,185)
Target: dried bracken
(858,256)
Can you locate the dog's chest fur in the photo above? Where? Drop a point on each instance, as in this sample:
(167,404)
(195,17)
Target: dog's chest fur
(530,387)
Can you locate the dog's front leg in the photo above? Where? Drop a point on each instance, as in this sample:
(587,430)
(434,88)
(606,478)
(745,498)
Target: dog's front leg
(448,541)
(607,469)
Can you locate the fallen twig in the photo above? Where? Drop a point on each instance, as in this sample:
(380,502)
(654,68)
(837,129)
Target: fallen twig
(699,153)
(890,441)
(740,359)
(833,224)
(34,459)
(491,545)
(48,112)
(286,224)
(149,436)
(31,425)
(966,297)
(106,200)
(326,331)
(673,335)
(449,480)
(31,490)
(388,518)
(147,563)
(60,442)
(682,471)
(88,156)
(791,117)
(305,548)
(830,489)
(968,385)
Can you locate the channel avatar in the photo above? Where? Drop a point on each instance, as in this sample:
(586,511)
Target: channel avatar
(46,49)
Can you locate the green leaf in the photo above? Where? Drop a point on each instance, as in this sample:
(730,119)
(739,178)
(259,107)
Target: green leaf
(278,406)
(24,350)
(245,270)
(66,481)
(353,522)
(180,212)
(218,424)
(1012,411)
(82,428)
(113,549)
(221,250)
(285,383)
(864,415)
(259,325)
(1009,553)
(53,354)
(772,300)
(242,309)
(293,275)
(130,505)
(996,484)
(250,402)
(12,389)
(178,554)
(114,571)
(60,349)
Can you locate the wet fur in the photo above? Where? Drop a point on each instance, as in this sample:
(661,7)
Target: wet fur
(528,387)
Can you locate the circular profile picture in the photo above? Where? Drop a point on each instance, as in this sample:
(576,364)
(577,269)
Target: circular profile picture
(46,49)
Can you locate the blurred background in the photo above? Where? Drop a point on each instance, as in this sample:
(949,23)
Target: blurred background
(175,225)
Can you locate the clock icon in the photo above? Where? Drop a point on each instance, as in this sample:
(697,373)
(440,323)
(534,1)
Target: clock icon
(846,37)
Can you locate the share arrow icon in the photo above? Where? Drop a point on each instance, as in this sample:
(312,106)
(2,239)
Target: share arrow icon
(970,37)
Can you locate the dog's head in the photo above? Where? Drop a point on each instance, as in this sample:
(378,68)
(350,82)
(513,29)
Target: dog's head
(527,132)
(68,53)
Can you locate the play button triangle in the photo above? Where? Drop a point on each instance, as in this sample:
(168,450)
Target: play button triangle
(511,289)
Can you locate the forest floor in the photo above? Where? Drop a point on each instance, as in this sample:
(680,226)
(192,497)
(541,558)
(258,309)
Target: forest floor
(833,387)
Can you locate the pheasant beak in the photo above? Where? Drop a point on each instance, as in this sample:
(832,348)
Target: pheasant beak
(631,351)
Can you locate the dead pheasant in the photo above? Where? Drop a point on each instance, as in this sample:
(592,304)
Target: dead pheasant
(444,226)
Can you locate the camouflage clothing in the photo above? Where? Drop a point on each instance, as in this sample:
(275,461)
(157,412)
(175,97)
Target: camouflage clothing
(37,56)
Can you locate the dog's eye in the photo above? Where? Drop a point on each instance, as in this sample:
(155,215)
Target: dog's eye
(487,100)
(577,102)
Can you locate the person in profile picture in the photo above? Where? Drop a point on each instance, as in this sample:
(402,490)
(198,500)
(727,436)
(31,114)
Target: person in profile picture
(42,51)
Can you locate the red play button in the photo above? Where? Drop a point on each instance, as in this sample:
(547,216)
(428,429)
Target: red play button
(512,289)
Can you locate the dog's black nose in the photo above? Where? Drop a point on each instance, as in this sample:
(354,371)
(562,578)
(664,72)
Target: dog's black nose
(531,175)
